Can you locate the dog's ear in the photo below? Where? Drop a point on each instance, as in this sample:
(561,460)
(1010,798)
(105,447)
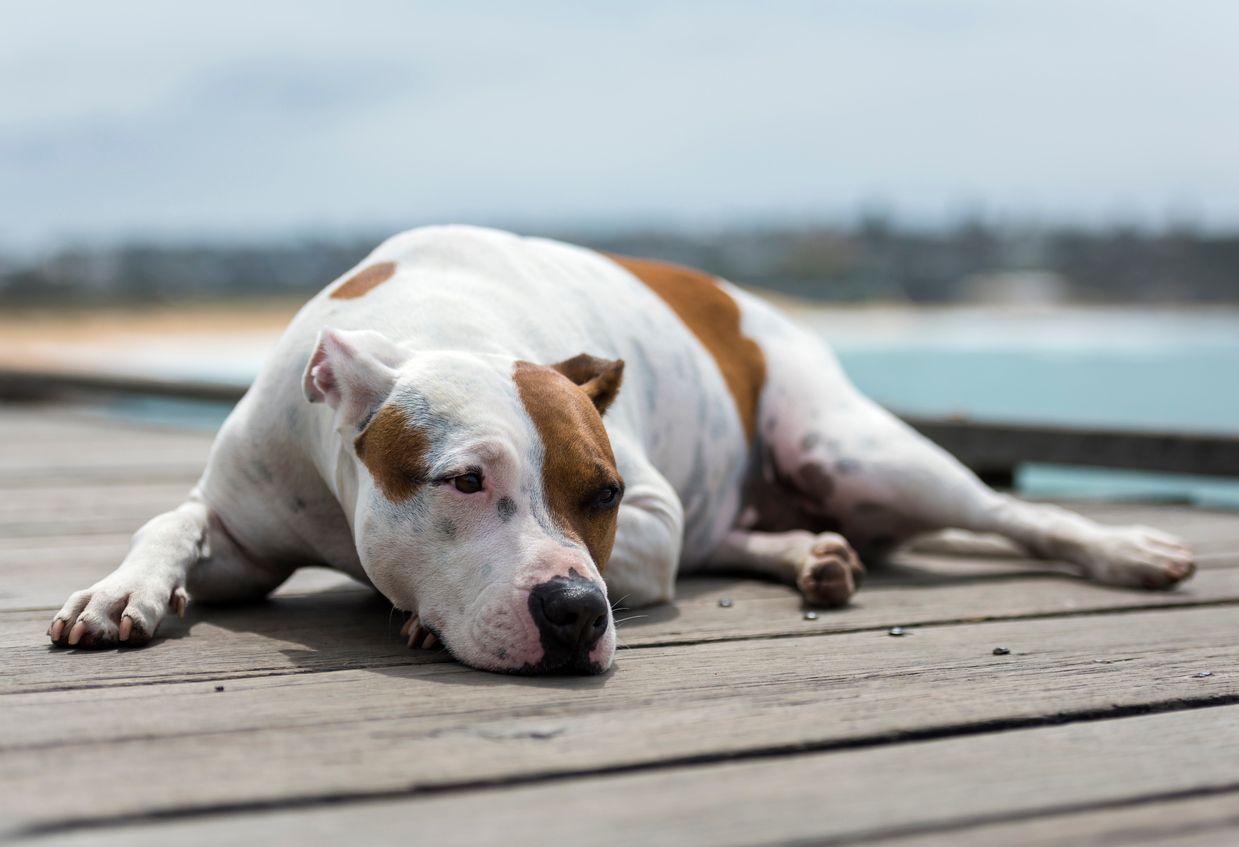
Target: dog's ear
(353,372)
(599,378)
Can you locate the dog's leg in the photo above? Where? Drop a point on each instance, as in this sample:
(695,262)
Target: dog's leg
(898,484)
(937,492)
(822,565)
(182,553)
(847,464)
(128,604)
(648,539)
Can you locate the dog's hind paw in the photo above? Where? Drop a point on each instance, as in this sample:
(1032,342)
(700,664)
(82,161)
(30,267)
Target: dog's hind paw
(1139,557)
(830,572)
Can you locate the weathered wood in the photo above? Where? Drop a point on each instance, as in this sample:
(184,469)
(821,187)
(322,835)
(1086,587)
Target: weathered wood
(60,510)
(138,463)
(317,631)
(991,447)
(24,426)
(94,472)
(322,701)
(840,796)
(355,732)
(1211,820)
(40,572)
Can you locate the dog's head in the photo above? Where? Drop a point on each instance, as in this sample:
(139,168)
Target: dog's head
(486,494)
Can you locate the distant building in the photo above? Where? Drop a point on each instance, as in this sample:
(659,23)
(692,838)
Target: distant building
(1016,288)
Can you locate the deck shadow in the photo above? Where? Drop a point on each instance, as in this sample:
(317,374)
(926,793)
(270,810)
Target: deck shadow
(357,629)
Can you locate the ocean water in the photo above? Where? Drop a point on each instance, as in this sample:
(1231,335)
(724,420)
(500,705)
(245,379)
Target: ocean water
(1151,370)
(1171,369)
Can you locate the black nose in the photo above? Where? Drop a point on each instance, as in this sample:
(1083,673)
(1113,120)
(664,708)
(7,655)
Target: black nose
(571,614)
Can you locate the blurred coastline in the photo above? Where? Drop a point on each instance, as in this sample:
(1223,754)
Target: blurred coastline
(871,259)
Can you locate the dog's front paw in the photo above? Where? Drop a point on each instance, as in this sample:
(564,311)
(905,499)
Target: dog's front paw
(420,637)
(1140,557)
(114,611)
(830,572)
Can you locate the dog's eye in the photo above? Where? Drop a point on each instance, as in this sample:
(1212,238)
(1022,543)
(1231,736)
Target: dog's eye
(469,483)
(608,496)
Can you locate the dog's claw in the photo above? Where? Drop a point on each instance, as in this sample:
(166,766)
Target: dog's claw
(180,600)
(75,634)
(419,637)
(116,610)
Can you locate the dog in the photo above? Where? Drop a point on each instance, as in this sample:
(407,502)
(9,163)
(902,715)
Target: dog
(501,433)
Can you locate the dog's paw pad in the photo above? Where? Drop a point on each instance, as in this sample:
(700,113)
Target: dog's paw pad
(828,575)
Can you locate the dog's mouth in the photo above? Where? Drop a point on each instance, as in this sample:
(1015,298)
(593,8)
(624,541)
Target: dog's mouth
(578,666)
(557,659)
(552,664)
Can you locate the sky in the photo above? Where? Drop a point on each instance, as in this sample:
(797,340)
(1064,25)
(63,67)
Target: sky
(157,120)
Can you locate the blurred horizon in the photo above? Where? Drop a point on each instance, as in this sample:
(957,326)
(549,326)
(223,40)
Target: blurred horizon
(140,122)
(871,260)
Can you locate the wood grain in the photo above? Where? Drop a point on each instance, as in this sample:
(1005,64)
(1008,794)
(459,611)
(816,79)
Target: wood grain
(342,629)
(837,797)
(357,732)
(1211,820)
(742,724)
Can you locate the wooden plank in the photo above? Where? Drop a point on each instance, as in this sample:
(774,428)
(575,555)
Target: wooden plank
(140,457)
(839,796)
(40,425)
(38,586)
(46,445)
(1211,820)
(351,733)
(58,510)
(343,629)
(39,573)
(96,473)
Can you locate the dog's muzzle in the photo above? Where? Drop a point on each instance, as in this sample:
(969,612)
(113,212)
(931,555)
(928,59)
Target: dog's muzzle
(571,614)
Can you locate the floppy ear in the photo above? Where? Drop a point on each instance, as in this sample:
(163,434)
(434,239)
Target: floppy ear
(353,372)
(599,378)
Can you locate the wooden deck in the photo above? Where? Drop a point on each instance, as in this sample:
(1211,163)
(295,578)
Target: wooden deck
(1113,719)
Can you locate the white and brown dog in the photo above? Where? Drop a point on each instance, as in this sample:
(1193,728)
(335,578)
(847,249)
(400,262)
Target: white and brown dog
(430,425)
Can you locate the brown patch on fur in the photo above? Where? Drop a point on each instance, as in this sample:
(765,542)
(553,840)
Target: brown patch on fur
(578,462)
(395,453)
(714,318)
(364,280)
